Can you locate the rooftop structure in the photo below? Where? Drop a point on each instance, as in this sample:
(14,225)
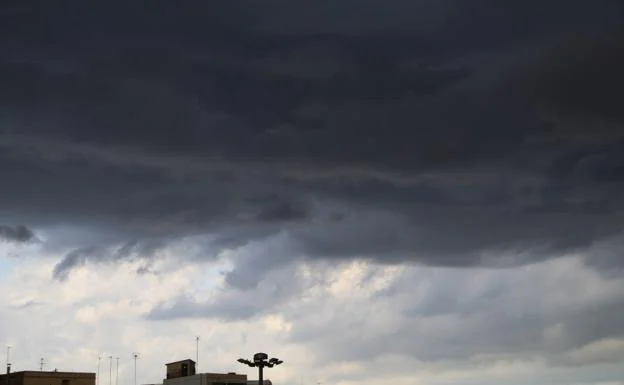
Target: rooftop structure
(181,368)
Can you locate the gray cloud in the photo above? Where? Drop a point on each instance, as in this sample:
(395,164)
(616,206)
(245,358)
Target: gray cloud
(234,304)
(558,311)
(18,234)
(131,250)
(433,138)
(29,304)
(464,314)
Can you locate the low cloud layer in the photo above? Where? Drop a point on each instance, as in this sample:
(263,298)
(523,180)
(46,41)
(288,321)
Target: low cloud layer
(552,322)
(555,319)
(359,312)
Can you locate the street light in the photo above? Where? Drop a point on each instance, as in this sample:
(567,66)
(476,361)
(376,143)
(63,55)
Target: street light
(261,361)
(135,356)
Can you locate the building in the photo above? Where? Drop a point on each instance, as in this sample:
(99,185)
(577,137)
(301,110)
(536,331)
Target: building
(182,368)
(47,378)
(209,379)
(183,373)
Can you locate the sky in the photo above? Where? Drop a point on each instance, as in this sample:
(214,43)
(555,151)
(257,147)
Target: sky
(407,192)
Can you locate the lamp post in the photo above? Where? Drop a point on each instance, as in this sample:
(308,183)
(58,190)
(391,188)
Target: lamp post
(261,361)
(135,356)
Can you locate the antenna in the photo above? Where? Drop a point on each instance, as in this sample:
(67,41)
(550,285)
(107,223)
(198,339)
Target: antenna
(196,354)
(8,365)
(135,356)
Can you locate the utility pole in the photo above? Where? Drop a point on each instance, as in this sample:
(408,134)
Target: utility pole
(97,379)
(197,354)
(110,370)
(135,355)
(41,363)
(117,375)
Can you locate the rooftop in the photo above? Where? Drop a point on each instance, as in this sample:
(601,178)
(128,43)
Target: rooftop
(37,373)
(180,361)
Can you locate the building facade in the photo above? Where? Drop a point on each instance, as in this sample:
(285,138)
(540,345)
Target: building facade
(47,378)
(183,373)
(209,379)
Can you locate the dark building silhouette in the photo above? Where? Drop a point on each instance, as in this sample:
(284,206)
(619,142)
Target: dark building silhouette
(47,378)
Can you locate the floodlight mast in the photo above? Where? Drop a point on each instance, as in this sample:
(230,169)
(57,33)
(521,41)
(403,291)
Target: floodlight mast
(261,361)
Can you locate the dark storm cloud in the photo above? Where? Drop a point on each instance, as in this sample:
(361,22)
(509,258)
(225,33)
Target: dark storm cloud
(18,234)
(439,131)
(283,211)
